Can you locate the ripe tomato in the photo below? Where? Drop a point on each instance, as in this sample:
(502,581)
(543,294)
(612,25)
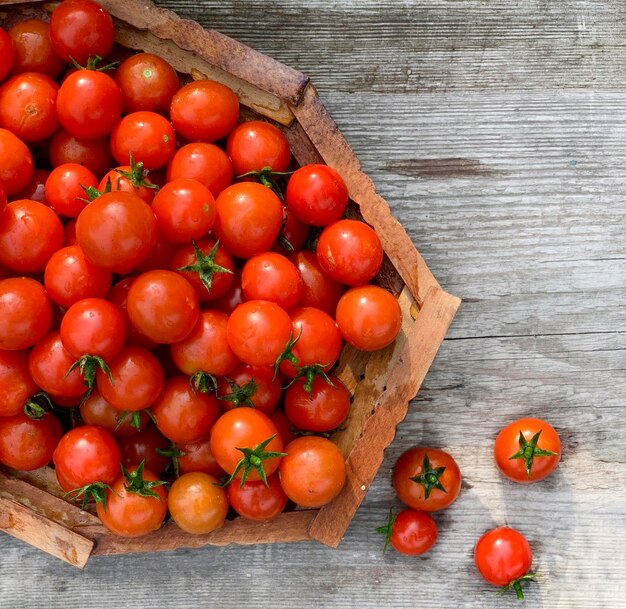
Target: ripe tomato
(427,479)
(7,54)
(369,317)
(253,386)
(527,450)
(503,557)
(25,312)
(143,446)
(35,190)
(163,306)
(93,154)
(138,379)
(65,188)
(80,29)
(185,210)
(325,409)
(16,383)
(284,426)
(233,296)
(350,252)
(318,290)
(411,532)
(129,178)
(28,106)
(255,145)
(70,277)
(117,231)
(203,162)
(147,82)
(147,136)
(256,501)
(28,444)
(182,414)
(246,428)
(89,104)
(119,297)
(293,234)
(33,49)
(197,457)
(16,163)
(313,472)
(204,110)
(95,410)
(136,504)
(85,455)
(207,266)
(258,332)
(30,233)
(249,218)
(317,194)
(206,349)
(270,276)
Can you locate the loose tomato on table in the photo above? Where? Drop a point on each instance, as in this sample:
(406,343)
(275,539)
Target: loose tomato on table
(16,163)
(410,532)
(258,501)
(33,49)
(253,386)
(66,186)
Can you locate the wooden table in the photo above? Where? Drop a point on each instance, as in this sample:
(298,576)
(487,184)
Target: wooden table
(498,134)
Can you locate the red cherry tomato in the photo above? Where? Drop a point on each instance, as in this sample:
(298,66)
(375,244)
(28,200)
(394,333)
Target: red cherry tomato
(143,446)
(255,145)
(16,163)
(198,457)
(256,501)
(16,383)
(119,296)
(253,386)
(411,532)
(65,188)
(35,190)
(127,178)
(293,234)
(7,54)
(93,154)
(95,410)
(270,276)
(33,49)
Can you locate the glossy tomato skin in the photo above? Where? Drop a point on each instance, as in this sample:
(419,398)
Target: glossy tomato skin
(198,457)
(27,444)
(507,445)
(502,555)
(249,218)
(267,389)
(25,312)
(244,428)
(293,233)
(16,383)
(128,514)
(204,110)
(317,195)
(65,188)
(89,104)
(119,297)
(256,501)
(369,317)
(147,82)
(28,106)
(410,465)
(254,145)
(413,532)
(258,331)
(94,154)
(117,231)
(313,472)
(7,54)
(16,163)
(233,296)
(142,446)
(95,410)
(80,29)
(84,455)
(33,49)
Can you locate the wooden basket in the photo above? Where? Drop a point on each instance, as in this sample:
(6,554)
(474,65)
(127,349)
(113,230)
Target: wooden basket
(32,507)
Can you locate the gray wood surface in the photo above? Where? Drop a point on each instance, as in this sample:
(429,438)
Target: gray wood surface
(497,132)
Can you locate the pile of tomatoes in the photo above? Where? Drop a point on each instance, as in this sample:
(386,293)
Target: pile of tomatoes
(173,298)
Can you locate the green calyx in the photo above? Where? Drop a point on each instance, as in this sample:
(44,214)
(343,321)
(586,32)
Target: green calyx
(429,478)
(172,453)
(240,394)
(92,64)
(287,354)
(529,450)
(516,585)
(93,193)
(95,490)
(253,459)
(136,484)
(205,266)
(203,382)
(137,174)
(37,406)
(268,178)
(135,418)
(88,366)
(387,529)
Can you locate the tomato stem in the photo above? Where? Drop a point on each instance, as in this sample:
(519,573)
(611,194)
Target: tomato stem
(95,491)
(529,450)
(429,478)
(136,484)
(203,382)
(172,453)
(37,406)
(287,354)
(516,585)
(205,266)
(241,394)
(387,529)
(92,64)
(137,174)
(88,365)
(253,459)
(267,177)
(135,419)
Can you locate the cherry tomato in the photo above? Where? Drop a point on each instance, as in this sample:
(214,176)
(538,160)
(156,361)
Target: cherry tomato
(143,446)
(92,153)
(246,428)
(33,49)
(203,162)
(28,444)
(324,410)
(147,82)
(270,276)
(35,190)
(80,29)
(138,379)
(28,106)
(254,145)
(117,231)
(369,317)
(426,479)
(254,386)
(258,332)
(185,210)
(503,557)
(70,277)
(198,457)
(89,104)
(127,178)
(527,450)
(147,136)
(313,472)
(65,188)
(25,312)
(16,383)
(197,503)
(95,410)
(256,501)
(249,218)
(16,163)
(410,532)
(317,195)
(204,110)
(293,234)
(233,297)
(7,54)
(284,426)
